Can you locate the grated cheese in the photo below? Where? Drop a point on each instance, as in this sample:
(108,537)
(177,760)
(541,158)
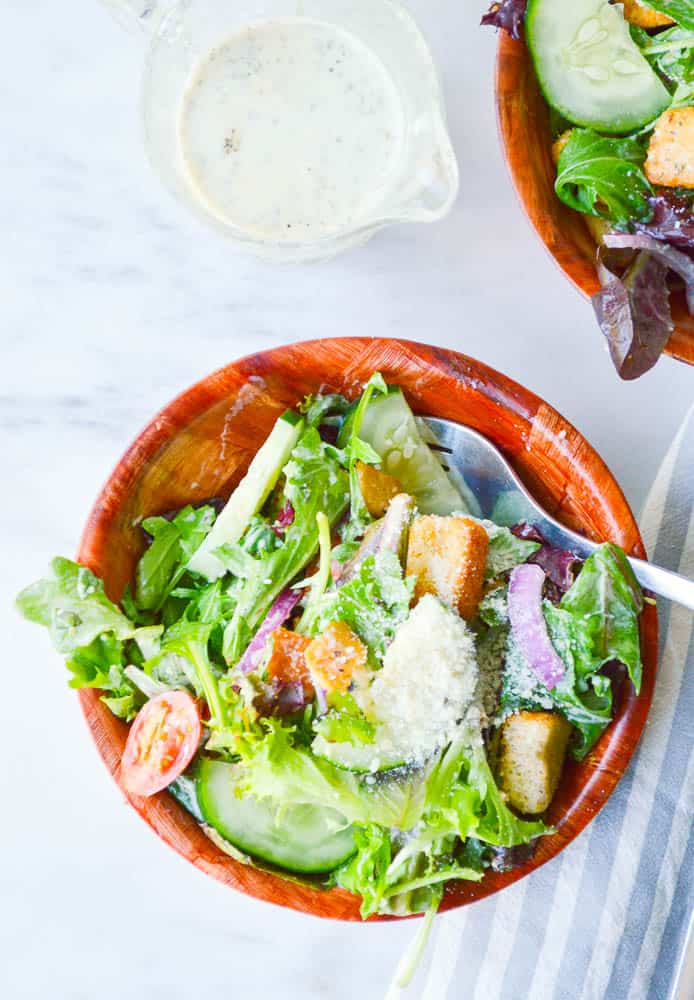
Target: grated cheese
(427,683)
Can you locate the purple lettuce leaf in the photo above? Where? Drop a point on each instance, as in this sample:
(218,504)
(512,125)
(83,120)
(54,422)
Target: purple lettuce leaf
(634,313)
(672,221)
(509,15)
(559,565)
(275,698)
(284,520)
(676,260)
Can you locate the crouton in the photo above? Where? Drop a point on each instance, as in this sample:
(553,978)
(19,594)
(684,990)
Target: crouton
(531,754)
(378,488)
(448,555)
(560,143)
(334,657)
(287,663)
(637,13)
(670,159)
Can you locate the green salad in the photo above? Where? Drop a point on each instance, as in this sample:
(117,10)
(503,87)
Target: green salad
(618,79)
(344,675)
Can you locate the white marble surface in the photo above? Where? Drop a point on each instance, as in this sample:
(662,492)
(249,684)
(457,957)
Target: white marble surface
(112,301)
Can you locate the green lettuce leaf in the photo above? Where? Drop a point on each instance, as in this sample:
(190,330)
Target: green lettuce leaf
(671,53)
(595,623)
(97,639)
(605,602)
(505,550)
(315,482)
(275,768)
(462,798)
(357,450)
(373,603)
(461,806)
(344,721)
(73,606)
(190,640)
(603,176)
(173,543)
(101,665)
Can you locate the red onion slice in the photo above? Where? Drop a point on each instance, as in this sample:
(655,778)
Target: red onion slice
(528,624)
(276,616)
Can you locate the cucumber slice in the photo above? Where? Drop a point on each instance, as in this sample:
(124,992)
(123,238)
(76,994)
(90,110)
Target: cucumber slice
(588,66)
(363,758)
(301,838)
(389,427)
(250,495)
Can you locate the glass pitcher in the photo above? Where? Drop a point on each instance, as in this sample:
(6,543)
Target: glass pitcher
(424,183)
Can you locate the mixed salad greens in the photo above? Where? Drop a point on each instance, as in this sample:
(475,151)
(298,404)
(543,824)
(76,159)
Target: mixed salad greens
(619,81)
(323,672)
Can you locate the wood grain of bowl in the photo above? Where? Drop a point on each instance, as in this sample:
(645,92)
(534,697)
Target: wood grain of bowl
(523,120)
(200,445)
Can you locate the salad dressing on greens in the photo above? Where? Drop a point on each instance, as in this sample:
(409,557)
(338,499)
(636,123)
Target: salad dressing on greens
(340,674)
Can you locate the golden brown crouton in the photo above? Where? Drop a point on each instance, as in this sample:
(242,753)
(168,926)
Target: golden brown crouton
(448,556)
(559,144)
(670,159)
(335,656)
(378,488)
(287,662)
(643,17)
(531,755)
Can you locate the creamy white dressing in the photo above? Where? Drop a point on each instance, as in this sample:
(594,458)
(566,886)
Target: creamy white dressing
(291,130)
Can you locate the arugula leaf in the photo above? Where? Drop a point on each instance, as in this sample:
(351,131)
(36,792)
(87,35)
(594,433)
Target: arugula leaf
(74,607)
(314,482)
(173,543)
(679,10)
(373,603)
(603,176)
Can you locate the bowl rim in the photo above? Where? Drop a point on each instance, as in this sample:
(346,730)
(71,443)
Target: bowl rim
(612,754)
(512,56)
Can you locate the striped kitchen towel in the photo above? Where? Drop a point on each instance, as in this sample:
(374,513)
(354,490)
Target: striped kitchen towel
(607,919)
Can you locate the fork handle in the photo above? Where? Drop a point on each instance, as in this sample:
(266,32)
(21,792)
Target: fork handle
(664,582)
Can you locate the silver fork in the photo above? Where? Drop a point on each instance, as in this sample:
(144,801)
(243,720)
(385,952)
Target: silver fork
(491,489)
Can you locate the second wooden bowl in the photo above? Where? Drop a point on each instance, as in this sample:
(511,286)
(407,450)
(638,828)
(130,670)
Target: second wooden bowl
(200,445)
(523,119)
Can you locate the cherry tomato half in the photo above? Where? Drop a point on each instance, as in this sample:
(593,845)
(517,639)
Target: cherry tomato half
(161,743)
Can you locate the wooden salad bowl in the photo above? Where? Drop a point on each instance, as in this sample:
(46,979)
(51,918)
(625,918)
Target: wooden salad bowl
(523,120)
(200,445)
